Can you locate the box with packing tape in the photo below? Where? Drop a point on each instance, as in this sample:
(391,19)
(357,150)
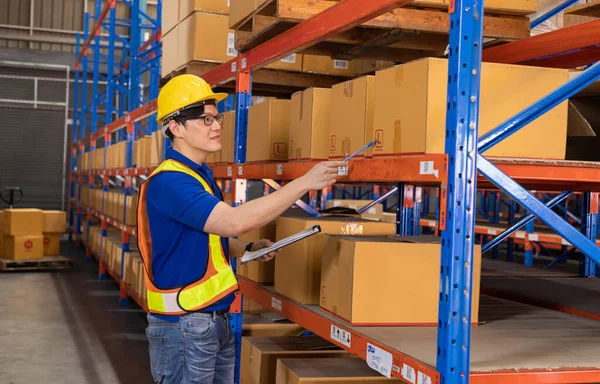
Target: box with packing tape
(309,124)
(260,354)
(298,266)
(327,370)
(412,267)
(268,131)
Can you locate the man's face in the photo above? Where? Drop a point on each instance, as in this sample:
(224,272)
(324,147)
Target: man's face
(200,136)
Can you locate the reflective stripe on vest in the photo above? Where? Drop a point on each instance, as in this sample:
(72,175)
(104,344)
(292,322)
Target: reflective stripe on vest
(219,279)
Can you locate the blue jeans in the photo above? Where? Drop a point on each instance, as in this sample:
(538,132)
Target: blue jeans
(199,348)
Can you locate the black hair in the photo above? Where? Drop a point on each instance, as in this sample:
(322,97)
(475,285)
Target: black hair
(188,114)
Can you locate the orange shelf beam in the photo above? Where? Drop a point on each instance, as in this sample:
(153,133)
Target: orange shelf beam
(95,30)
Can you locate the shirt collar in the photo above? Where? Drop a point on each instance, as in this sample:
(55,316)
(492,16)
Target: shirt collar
(178,156)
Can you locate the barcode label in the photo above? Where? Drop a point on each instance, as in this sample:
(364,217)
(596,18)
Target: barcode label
(276,303)
(423,378)
(380,360)
(409,374)
(289,59)
(231,51)
(340,64)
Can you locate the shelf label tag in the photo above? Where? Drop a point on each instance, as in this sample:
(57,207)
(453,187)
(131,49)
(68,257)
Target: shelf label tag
(427,168)
(240,170)
(244,63)
(423,379)
(279,169)
(381,361)
(520,235)
(533,237)
(409,374)
(341,336)
(491,231)
(276,303)
(229,172)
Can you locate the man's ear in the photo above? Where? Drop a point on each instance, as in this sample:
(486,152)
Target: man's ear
(175,128)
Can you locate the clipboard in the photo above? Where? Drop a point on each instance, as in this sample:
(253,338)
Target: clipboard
(250,256)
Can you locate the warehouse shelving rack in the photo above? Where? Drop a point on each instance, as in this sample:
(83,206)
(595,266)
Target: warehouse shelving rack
(130,82)
(456,178)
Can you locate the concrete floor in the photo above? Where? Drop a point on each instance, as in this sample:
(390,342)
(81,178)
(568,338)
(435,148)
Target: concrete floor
(67,327)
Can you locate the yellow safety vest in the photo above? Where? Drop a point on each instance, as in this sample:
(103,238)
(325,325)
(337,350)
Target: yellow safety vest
(219,279)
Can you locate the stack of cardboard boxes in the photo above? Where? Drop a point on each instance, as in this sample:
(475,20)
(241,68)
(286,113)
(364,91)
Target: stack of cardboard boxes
(22,234)
(55,223)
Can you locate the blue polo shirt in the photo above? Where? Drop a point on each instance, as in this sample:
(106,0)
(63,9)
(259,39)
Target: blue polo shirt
(178,207)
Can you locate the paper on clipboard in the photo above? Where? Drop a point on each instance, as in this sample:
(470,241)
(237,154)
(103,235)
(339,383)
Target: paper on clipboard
(249,256)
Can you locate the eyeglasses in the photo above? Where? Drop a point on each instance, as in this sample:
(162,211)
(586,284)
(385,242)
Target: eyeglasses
(210,119)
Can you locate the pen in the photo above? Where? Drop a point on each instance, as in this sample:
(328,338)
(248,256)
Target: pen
(372,143)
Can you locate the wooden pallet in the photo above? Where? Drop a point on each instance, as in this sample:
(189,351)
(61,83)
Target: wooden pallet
(48,263)
(265,82)
(591,9)
(405,34)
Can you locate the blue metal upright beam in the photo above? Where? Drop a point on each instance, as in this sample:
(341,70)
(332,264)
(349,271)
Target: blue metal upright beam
(462,120)
(589,221)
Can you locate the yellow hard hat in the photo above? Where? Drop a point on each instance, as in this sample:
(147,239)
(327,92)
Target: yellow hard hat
(183,91)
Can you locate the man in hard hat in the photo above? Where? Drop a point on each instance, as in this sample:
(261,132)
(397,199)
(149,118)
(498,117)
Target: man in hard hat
(186,237)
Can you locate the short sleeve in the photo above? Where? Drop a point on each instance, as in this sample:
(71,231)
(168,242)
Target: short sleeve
(180,197)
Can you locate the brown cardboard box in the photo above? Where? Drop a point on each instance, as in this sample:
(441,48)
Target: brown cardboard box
(239,10)
(419,126)
(373,213)
(325,65)
(20,222)
(170,15)
(298,266)
(251,307)
(51,244)
(309,124)
(2,244)
(205,37)
(259,271)
(503,7)
(26,247)
(351,117)
(331,370)
(258,325)
(268,131)
(132,203)
(260,354)
(292,62)
(412,267)
(187,7)
(227,139)
(156,152)
(54,221)
(147,151)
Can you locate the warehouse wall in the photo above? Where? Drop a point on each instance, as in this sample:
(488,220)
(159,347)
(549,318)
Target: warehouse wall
(50,24)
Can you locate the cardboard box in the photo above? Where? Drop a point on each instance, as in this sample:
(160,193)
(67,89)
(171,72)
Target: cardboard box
(292,62)
(330,370)
(259,325)
(20,222)
(239,10)
(258,362)
(51,244)
(131,215)
(373,213)
(419,126)
(298,266)
(259,272)
(147,140)
(251,307)
(503,7)
(309,124)
(156,152)
(227,139)
(412,269)
(205,37)
(325,65)
(170,15)
(187,7)
(268,131)
(26,247)
(54,221)
(351,118)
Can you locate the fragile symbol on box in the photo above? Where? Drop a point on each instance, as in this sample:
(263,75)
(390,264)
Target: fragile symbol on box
(380,360)
(276,303)
(341,336)
(427,168)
